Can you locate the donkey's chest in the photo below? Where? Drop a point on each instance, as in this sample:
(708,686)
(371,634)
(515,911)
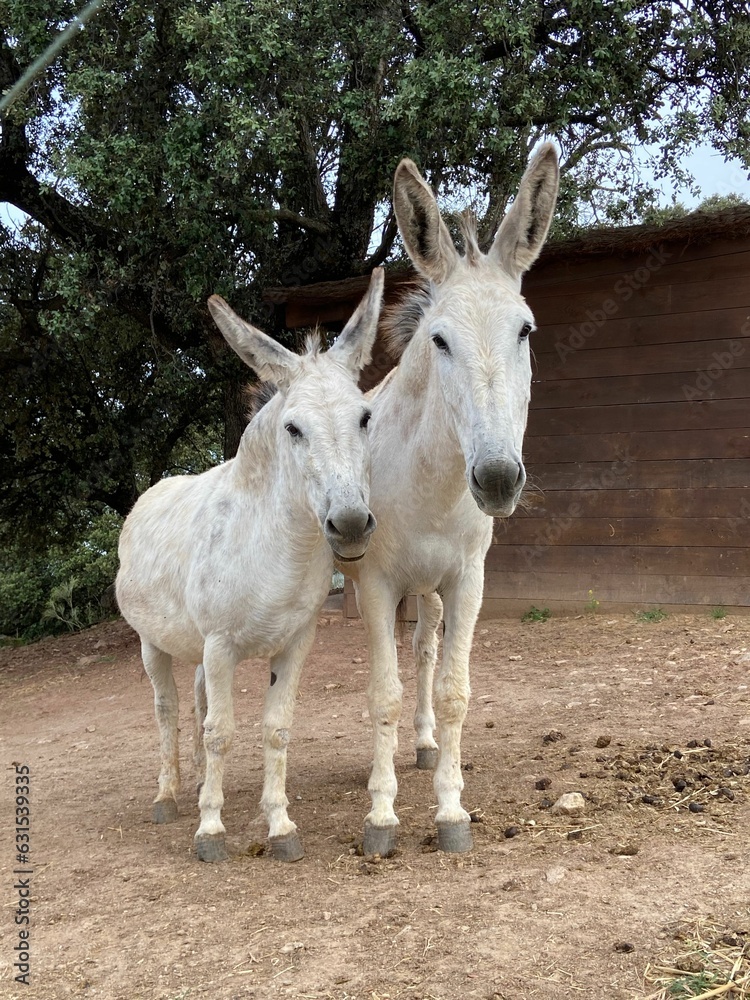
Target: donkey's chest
(426,552)
(261,603)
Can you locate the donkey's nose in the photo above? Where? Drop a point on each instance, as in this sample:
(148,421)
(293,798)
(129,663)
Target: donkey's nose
(347,524)
(498,480)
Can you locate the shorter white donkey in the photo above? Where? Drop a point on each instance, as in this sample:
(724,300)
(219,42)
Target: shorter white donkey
(237,562)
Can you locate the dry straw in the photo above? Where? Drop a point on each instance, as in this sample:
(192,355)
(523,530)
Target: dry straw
(716,963)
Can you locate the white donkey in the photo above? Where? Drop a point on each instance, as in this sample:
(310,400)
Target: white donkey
(237,562)
(446,436)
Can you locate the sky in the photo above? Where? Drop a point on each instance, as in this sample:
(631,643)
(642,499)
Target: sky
(713,175)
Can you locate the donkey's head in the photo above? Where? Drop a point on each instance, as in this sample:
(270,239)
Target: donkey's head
(321,416)
(473,331)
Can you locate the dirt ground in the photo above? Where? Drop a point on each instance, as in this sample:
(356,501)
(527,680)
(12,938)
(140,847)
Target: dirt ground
(605,705)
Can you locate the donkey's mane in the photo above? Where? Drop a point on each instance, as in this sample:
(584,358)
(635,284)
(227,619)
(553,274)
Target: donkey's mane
(257,394)
(400,321)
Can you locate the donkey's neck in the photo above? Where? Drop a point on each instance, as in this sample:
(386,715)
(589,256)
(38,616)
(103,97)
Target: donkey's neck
(418,424)
(264,473)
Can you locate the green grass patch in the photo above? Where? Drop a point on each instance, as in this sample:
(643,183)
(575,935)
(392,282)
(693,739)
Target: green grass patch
(652,615)
(535,614)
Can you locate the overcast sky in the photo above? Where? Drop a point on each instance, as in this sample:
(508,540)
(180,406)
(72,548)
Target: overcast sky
(713,175)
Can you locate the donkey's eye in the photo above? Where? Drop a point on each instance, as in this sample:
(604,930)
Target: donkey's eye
(293,430)
(365,419)
(440,344)
(525,331)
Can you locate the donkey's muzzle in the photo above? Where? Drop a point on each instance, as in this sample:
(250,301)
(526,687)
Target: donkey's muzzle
(348,531)
(496,485)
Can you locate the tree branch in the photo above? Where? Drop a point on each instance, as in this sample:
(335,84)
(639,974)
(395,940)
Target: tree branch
(386,244)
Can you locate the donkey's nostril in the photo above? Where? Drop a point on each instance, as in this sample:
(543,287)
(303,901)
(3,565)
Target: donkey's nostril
(332,529)
(370,526)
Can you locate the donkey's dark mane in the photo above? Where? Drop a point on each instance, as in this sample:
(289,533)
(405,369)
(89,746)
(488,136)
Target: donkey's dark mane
(257,394)
(399,321)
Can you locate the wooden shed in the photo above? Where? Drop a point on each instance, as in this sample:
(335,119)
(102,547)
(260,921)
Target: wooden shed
(638,443)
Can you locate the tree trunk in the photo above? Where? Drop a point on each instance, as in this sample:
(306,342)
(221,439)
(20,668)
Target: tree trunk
(235,414)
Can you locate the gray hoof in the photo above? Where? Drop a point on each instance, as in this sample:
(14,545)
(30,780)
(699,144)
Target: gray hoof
(454,838)
(211,848)
(164,811)
(379,840)
(287,848)
(427,758)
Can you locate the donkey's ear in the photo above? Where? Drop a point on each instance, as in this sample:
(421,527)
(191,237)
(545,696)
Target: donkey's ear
(271,361)
(424,233)
(354,344)
(521,236)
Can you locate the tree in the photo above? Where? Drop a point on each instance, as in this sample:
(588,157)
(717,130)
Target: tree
(183,148)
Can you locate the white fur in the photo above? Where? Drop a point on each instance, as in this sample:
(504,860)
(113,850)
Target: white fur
(436,419)
(237,562)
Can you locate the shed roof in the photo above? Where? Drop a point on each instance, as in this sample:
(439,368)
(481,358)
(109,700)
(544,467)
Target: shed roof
(697,227)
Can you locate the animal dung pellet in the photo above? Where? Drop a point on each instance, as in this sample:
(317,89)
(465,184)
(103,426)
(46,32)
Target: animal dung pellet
(542,784)
(571,803)
(696,807)
(511,831)
(628,850)
(553,736)
(603,741)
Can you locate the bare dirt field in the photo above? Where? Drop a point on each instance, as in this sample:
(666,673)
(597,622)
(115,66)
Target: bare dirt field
(649,721)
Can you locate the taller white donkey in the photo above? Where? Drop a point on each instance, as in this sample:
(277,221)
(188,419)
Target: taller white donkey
(237,562)
(446,435)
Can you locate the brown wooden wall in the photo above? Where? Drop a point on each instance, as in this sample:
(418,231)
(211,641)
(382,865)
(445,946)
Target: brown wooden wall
(638,436)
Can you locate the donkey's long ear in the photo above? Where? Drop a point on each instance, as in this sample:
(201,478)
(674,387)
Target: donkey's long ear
(271,361)
(520,238)
(354,344)
(424,233)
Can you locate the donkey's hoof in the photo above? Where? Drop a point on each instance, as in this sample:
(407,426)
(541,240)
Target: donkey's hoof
(164,811)
(379,840)
(454,838)
(287,848)
(427,758)
(211,848)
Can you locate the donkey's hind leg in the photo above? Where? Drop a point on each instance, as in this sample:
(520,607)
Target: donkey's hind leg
(158,666)
(201,708)
(425,644)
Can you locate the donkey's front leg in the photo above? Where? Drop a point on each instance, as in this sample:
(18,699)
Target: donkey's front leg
(277,723)
(219,661)
(425,645)
(462,604)
(378,609)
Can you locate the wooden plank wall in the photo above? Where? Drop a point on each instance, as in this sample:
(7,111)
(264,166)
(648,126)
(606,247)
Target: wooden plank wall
(638,438)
